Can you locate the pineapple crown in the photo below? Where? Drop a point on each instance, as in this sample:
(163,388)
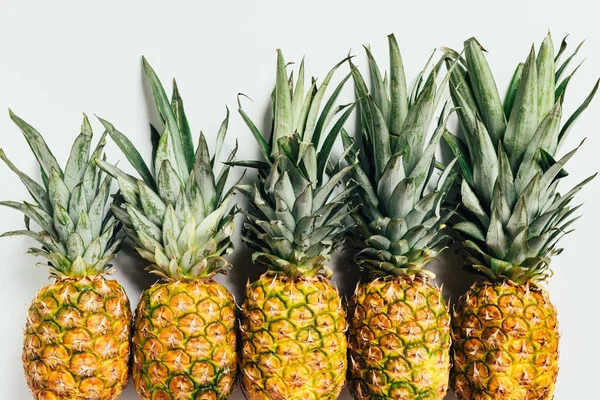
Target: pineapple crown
(296,219)
(513,215)
(77,236)
(179,215)
(400,221)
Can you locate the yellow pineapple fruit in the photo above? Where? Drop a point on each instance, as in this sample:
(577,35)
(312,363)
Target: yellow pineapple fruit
(293,323)
(78,327)
(505,330)
(180,219)
(399,336)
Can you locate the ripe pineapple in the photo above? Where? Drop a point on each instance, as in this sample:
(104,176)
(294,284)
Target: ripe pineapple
(78,327)
(184,341)
(399,336)
(293,324)
(505,328)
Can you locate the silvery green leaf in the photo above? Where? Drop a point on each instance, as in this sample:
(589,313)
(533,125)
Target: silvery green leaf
(550,175)
(518,249)
(414,235)
(505,177)
(83,228)
(183,152)
(378,242)
(161,259)
(423,208)
(194,198)
(325,152)
(398,91)
(79,156)
(412,137)
(471,203)
(57,190)
(188,259)
(485,164)
(129,190)
(183,209)
(283,119)
(93,252)
(170,244)
(262,143)
(396,229)
(284,187)
(204,175)
(170,222)
(461,152)
(169,184)
(221,138)
(402,199)
(303,204)
(519,218)
(130,151)
(378,135)
(33,212)
(531,194)
(513,87)
(485,91)
(378,89)
(183,125)
(500,205)
(77,203)
(545,70)
(392,175)
(297,98)
(315,104)
(495,237)
(51,243)
(209,225)
(187,235)
(523,119)
(322,194)
(421,169)
(462,96)
(38,193)
(91,173)
(224,174)
(143,225)
(38,145)
(470,229)
(121,214)
(308,163)
(96,211)
(152,204)
(536,244)
(569,124)
(545,135)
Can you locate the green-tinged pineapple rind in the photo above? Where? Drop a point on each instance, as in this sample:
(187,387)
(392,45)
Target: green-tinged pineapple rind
(399,339)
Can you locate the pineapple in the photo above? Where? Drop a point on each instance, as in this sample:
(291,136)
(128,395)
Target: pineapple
(293,323)
(78,327)
(505,331)
(399,336)
(180,219)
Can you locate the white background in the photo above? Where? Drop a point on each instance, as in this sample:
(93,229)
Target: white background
(59,59)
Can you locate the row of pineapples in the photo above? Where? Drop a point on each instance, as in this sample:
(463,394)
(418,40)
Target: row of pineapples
(296,342)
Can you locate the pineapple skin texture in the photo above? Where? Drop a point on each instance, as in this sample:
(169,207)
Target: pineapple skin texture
(505,343)
(184,342)
(399,340)
(77,340)
(293,339)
